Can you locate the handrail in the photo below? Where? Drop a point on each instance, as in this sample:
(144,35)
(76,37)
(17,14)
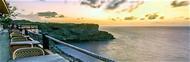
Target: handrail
(45,38)
(21,26)
(77,48)
(81,50)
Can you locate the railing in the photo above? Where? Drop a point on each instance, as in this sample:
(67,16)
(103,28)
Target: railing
(27,26)
(49,42)
(1,27)
(51,45)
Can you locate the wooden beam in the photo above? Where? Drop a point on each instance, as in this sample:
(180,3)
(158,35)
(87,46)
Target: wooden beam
(3,7)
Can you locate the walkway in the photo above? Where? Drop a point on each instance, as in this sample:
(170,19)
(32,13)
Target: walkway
(4,46)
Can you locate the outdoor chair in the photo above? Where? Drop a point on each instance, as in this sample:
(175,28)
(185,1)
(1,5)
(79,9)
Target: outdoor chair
(27,52)
(17,46)
(14,34)
(18,39)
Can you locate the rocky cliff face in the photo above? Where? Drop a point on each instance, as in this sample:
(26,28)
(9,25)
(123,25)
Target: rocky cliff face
(76,32)
(70,32)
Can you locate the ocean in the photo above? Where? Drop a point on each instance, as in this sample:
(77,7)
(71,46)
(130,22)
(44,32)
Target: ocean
(139,44)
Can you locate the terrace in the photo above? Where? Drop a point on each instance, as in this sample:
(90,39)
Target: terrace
(18,43)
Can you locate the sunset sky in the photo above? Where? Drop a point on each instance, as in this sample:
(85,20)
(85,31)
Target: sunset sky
(104,11)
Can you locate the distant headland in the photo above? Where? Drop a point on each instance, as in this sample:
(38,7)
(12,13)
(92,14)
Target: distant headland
(71,32)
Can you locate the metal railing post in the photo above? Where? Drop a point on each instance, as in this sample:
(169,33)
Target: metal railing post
(25,32)
(17,27)
(12,26)
(45,41)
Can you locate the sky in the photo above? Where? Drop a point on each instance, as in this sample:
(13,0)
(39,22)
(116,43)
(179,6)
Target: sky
(105,9)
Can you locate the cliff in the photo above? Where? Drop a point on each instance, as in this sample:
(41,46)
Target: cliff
(70,32)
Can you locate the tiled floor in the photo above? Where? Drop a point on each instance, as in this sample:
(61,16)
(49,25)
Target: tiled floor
(4,46)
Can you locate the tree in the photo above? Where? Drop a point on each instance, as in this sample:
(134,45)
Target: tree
(5,18)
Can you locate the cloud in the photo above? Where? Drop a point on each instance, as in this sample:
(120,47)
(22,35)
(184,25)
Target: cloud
(111,4)
(134,5)
(42,0)
(92,3)
(114,4)
(177,3)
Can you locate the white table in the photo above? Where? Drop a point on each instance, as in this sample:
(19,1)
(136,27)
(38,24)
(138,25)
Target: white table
(45,58)
(25,42)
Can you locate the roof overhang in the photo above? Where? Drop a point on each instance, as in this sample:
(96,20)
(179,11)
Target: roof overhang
(3,7)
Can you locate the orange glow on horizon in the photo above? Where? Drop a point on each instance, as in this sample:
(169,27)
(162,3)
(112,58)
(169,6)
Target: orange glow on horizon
(74,12)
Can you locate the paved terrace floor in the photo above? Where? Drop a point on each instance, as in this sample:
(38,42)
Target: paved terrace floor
(4,46)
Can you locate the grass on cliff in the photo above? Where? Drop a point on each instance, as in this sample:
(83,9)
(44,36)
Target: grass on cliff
(70,32)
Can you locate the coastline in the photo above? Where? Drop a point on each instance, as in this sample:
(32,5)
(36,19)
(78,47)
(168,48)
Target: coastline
(71,32)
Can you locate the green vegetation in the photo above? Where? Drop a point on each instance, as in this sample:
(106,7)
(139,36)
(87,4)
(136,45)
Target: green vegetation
(70,32)
(5,19)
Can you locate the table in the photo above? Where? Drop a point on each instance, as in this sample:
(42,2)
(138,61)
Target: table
(44,58)
(25,42)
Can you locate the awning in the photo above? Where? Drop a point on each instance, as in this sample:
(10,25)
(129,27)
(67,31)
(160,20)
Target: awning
(3,7)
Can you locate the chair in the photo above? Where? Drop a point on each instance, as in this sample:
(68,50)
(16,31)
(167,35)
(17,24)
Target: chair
(15,39)
(15,30)
(27,52)
(14,34)
(14,47)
